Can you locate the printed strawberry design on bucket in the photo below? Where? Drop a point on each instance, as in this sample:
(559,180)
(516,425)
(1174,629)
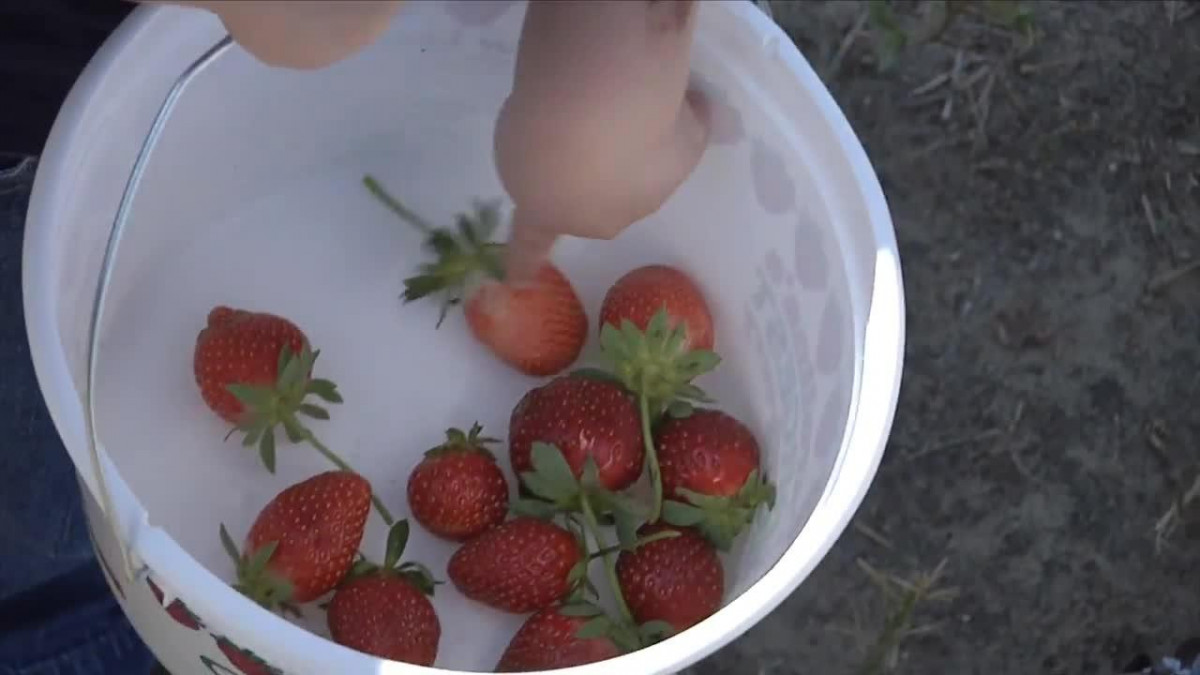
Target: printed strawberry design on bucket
(177,610)
(214,667)
(773,186)
(244,660)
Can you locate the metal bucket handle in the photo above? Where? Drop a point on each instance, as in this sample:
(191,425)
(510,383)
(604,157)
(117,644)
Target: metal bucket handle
(120,221)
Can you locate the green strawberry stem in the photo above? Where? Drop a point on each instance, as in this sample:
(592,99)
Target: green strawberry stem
(341,464)
(651,458)
(657,365)
(413,572)
(610,566)
(407,215)
(557,490)
(280,404)
(657,536)
(461,253)
(254,580)
(721,519)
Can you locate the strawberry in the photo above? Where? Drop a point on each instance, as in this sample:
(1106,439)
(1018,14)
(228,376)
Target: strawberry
(550,639)
(177,610)
(385,610)
(584,417)
(678,580)
(521,566)
(710,467)
(303,541)
(386,615)
(709,452)
(239,347)
(253,370)
(457,492)
(247,662)
(642,292)
(539,328)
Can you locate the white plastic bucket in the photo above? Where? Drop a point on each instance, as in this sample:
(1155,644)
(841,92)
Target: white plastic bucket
(251,197)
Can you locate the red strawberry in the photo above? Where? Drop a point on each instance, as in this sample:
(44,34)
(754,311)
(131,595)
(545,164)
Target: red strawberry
(539,328)
(583,417)
(521,566)
(678,580)
(710,464)
(386,615)
(549,640)
(708,452)
(177,610)
(384,611)
(247,662)
(642,292)
(253,370)
(240,347)
(304,540)
(458,491)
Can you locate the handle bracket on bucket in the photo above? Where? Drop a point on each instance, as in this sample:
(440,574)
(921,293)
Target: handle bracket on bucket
(105,279)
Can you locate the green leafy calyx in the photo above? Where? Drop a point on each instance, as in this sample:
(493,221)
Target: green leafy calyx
(627,636)
(458,442)
(721,519)
(255,580)
(555,490)
(415,573)
(657,363)
(658,366)
(281,403)
(462,254)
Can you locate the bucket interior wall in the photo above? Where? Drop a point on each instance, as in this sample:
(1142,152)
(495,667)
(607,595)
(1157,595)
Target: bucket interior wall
(253,199)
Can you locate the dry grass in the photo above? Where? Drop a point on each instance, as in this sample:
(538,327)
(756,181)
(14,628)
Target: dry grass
(901,599)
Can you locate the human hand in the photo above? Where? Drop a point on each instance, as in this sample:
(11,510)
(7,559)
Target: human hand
(600,128)
(300,34)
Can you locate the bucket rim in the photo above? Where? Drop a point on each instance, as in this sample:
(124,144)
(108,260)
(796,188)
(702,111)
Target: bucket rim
(873,402)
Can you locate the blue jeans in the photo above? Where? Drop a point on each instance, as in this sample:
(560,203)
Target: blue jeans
(57,615)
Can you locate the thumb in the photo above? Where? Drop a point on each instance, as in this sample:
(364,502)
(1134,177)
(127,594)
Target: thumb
(674,163)
(669,164)
(528,248)
(302,35)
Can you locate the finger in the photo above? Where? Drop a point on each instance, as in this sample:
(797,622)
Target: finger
(675,162)
(671,15)
(690,138)
(528,249)
(301,35)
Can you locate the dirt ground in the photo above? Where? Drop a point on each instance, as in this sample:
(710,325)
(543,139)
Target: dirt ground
(1047,203)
